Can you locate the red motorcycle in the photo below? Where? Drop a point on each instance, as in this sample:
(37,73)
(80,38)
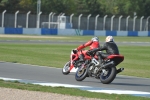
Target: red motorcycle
(106,72)
(75,61)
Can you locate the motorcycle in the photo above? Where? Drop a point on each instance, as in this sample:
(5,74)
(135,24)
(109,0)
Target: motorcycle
(75,61)
(106,72)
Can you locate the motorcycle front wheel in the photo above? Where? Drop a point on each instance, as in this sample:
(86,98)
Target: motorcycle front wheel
(108,75)
(81,73)
(66,68)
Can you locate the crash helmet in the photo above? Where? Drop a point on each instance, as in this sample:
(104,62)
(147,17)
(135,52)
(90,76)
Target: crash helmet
(109,39)
(95,38)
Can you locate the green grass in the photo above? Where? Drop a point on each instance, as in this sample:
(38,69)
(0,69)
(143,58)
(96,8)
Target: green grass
(136,62)
(67,91)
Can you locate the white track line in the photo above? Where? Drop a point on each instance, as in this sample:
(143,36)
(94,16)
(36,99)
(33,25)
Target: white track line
(87,88)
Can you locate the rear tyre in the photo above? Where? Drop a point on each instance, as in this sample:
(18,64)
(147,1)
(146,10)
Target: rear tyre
(66,68)
(108,75)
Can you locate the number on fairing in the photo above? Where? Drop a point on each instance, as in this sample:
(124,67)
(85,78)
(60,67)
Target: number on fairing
(95,61)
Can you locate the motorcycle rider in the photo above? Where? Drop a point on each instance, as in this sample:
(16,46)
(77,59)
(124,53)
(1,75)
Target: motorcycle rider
(110,47)
(93,44)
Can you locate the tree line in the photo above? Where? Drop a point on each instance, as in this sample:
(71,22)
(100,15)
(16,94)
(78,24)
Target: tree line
(85,7)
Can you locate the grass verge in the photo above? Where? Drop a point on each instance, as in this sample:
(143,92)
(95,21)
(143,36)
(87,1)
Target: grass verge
(67,91)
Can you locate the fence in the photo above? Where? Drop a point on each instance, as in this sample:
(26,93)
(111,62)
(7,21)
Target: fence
(109,23)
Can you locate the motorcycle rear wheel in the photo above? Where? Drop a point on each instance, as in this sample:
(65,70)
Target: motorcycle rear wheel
(66,68)
(111,75)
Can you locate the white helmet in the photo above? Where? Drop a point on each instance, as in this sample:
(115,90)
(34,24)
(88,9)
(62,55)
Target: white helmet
(109,39)
(95,38)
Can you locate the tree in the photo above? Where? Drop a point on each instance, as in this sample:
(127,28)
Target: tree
(125,7)
(28,5)
(86,7)
(10,5)
(3,3)
(58,6)
(93,7)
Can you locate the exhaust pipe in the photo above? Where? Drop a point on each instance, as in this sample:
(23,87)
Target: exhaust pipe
(120,70)
(108,64)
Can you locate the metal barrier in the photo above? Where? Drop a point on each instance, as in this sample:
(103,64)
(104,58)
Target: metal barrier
(110,23)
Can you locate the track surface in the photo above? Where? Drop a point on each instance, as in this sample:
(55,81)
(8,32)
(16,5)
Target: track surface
(70,42)
(54,75)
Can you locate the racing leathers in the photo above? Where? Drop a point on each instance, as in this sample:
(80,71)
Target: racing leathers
(110,47)
(91,44)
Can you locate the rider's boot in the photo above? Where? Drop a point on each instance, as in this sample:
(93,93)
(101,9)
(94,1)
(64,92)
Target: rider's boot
(99,58)
(120,70)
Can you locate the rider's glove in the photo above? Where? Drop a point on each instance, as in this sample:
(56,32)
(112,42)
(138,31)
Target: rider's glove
(89,52)
(75,51)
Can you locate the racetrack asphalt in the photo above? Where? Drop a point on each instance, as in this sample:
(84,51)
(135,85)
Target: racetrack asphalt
(48,75)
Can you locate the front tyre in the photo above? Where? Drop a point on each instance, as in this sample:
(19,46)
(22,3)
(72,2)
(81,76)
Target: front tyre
(108,75)
(81,73)
(66,68)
